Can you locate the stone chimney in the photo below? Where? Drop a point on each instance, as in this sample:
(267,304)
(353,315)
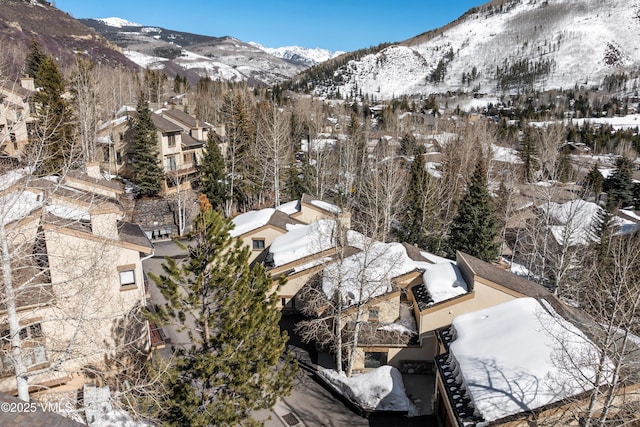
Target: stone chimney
(28,83)
(93,170)
(104,221)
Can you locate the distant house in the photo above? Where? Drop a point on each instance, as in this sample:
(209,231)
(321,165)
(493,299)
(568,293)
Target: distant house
(179,141)
(17,117)
(77,273)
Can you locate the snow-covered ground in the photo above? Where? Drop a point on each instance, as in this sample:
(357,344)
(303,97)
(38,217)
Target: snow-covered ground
(380,389)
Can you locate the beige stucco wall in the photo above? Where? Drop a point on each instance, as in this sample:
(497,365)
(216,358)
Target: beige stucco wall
(309,214)
(88,288)
(484,296)
(269,234)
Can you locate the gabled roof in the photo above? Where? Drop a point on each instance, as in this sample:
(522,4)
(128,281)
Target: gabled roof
(132,233)
(320,204)
(190,143)
(489,272)
(16,89)
(186,119)
(253,220)
(164,125)
(308,240)
(114,186)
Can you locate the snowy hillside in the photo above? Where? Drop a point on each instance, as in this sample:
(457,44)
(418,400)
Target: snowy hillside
(118,22)
(194,55)
(519,44)
(301,55)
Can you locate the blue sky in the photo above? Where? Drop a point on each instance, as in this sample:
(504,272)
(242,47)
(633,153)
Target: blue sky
(330,24)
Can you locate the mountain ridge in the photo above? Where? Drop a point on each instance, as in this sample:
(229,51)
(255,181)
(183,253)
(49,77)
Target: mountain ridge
(513,46)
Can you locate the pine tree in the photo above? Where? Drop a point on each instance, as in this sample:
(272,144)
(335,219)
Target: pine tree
(55,149)
(594,181)
(234,365)
(421,214)
(148,175)
(528,154)
(619,185)
(34,59)
(212,173)
(475,229)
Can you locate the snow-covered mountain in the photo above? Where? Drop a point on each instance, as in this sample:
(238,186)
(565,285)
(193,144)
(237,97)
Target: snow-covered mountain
(193,55)
(118,22)
(302,55)
(505,47)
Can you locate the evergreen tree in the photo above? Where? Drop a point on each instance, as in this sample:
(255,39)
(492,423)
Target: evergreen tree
(421,213)
(148,175)
(475,229)
(212,173)
(528,154)
(34,59)
(295,185)
(55,149)
(233,366)
(619,185)
(594,181)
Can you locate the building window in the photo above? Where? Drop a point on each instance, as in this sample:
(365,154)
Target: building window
(258,244)
(127,275)
(373,314)
(171,163)
(188,157)
(374,359)
(171,138)
(118,157)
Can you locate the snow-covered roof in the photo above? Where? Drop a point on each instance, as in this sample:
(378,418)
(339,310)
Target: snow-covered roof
(577,220)
(367,274)
(248,221)
(17,205)
(290,207)
(326,206)
(308,240)
(444,281)
(517,356)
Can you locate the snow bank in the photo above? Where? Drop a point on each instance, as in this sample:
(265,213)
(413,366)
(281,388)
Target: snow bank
(381,389)
(516,356)
(505,154)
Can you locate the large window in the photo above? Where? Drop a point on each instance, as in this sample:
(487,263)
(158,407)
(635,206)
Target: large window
(374,359)
(171,138)
(171,163)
